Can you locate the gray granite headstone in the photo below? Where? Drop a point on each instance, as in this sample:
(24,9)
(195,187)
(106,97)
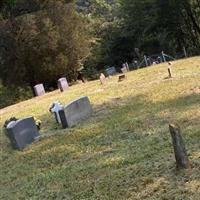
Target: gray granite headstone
(22,132)
(39,90)
(111,71)
(63,84)
(75,112)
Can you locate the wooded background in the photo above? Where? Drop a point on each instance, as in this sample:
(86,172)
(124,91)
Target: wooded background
(42,40)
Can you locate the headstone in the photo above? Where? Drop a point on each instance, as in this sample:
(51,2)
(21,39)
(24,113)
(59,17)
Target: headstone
(102,78)
(169,70)
(124,69)
(111,71)
(121,77)
(22,132)
(127,66)
(39,90)
(63,84)
(55,108)
(75,112)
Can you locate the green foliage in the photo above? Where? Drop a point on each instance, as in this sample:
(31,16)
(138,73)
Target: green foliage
(43,45)
(124,152)
(12,95)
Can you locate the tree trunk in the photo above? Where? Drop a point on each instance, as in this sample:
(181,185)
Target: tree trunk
(182,160)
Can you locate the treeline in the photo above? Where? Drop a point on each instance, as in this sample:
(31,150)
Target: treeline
(129,29)
(42,40)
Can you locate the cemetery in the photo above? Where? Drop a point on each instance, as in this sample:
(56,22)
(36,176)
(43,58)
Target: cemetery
(132,136)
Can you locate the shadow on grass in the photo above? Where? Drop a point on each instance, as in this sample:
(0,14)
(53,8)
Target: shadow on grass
(124,150)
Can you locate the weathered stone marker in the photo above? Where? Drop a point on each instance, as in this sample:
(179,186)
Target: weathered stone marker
(102,78)
(22,132)
(182,160)
(75,112)
(39,90)
(63,84)
(111,71)
(121,78)
(169,70)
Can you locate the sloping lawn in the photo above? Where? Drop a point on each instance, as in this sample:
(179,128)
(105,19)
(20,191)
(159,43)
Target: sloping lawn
(123,151)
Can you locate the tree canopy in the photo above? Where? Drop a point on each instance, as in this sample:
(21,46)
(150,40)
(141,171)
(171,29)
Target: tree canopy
(41,40)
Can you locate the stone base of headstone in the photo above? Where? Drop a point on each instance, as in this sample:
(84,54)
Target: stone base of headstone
(122,77)
(102,78)
(39,90)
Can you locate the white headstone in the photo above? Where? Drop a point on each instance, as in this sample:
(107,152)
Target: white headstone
(39,90)
(63,84)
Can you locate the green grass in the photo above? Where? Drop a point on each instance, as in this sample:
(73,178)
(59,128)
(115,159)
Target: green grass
(123,151)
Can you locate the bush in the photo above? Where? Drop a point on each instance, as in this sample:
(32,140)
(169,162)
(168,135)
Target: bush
(12,95)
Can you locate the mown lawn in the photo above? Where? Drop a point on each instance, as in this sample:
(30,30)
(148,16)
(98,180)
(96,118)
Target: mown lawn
(123,151)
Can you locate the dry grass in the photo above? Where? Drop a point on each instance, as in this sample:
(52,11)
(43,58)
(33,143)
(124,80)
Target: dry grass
(123,152)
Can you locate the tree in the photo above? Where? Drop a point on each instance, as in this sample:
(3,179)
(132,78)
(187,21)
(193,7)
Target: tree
(43,44)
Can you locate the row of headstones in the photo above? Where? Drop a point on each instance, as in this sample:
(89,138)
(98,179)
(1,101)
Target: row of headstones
(24,131)
(62,85)
(112,71)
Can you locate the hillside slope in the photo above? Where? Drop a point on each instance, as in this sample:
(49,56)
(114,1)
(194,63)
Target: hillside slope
(123,152)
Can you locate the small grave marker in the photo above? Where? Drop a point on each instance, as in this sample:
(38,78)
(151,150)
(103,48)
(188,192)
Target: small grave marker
(102,78)
(122,77)
(169,68)
(63,84)
(111,71)
(39,90)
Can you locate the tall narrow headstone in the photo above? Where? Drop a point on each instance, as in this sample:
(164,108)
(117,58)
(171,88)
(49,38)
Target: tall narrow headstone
(22,132)
(39,90)
(75,112)
(63,84)
(102,78)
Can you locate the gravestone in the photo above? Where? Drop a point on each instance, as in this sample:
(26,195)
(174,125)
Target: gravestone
(169,68)
(121,78)
(75,112)
(111,71)
(124,69)
(22,132)
(39,90)
(55,108)
(102,78)
(63,84)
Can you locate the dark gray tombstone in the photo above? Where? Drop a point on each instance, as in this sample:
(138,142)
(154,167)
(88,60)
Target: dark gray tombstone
(39,90)
(75,112)
(102,78)
(121,78)
(63,84)
(111,71)
(22,132)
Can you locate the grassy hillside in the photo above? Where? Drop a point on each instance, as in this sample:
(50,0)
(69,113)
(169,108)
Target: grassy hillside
(123,152)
